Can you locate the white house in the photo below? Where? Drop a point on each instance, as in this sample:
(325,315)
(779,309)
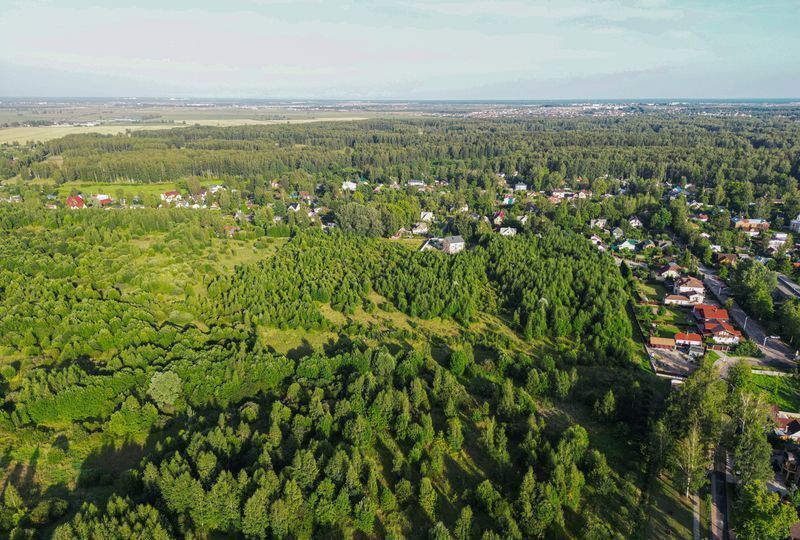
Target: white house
(171,196)
(688,285)
(519,186)
(348,185)
(795,224)
(597,242)
(599,223)
(453,244)
(778,240)
(508,231)
(427,217)
(415,183)
(635,222)
(689,299)
(420,228)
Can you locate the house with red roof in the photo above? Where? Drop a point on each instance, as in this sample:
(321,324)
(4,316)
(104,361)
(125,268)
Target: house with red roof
(688,339)
(706,312)
(721,332)
(171,196)
(75,202)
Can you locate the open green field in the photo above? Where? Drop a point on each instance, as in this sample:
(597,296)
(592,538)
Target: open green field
(128,190)
(45,133)
(781,391)
(670,514)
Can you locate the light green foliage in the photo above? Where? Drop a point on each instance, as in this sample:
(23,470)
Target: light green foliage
(165,387)
(761,515)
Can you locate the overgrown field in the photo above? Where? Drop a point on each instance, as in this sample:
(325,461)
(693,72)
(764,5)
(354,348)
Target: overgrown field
(162,378)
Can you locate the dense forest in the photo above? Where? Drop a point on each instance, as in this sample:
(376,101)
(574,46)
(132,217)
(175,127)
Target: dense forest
(136,379)
(713,151)
(294,364)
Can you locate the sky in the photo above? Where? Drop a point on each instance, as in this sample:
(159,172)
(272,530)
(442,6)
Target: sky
(401,49)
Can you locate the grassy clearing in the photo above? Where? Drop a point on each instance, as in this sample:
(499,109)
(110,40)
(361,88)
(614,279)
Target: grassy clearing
(46,133)
(653,290)
(781,391)
(23,135)
(670,514)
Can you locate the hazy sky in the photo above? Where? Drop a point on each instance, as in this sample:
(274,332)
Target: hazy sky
(457,49)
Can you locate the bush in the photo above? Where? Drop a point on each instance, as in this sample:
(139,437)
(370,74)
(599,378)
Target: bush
(748,348)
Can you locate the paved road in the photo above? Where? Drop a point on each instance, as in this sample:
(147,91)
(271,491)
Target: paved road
(787,288)
(719,506)
(777,355)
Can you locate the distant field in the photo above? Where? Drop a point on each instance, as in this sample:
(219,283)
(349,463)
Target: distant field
(129,190)
(46,133)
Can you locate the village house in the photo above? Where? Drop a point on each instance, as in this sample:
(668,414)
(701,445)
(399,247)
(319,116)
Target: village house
(170,197)
(349,185)
(599,223)
(671,270)
(519,186)
(524,219)
(721,332)
(75,202)
(427,217)
(790,467)
(583,194)
(508,200)
(662,343)
(102,199)
(635,222)
(751,226)
(688,339)
(627,245)
(420,228)
(597,241)
(415,183)
(687,285)
(453,244)
(646,244)
(508,231)
(787,424)
(726,258)
(499,217)
(706,312)
(794,225)
(777,241)
(617,233)
(685,300)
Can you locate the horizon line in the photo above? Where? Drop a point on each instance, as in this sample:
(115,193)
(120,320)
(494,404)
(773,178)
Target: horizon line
(400,100)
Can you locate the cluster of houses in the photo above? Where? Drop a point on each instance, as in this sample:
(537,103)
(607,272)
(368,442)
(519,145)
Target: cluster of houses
(715,332)
(713,323)
(77,202)
(172,198)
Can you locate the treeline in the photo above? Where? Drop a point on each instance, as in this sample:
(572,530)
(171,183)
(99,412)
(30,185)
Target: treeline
(464,152)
